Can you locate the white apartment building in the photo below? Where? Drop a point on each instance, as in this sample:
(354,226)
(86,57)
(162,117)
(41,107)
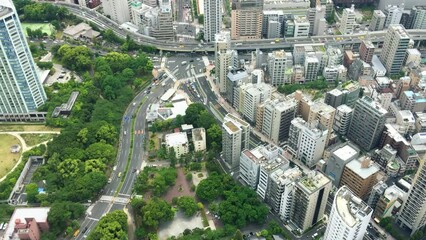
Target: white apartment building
(281,191)
(21,89)
(342,119)
(274,118)
(307,140)
(199,139)
(301,26)
(378,21)
(224,58)
(179,143)
(279,62)
(118,10)
(348,20)
(235,138)
(250,96)
(394,48)
(349,217)
(393,14)
(212,19)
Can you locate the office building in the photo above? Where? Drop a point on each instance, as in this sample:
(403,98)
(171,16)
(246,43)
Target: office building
(393,14)
(235,78)
(349,2)
(413,57)
(235,138)
(394,48)
(151,3)
(309,200)
(316,18)
(179,143)
(417,18)
(301,51)
(281,186)
(390,202)
(378,21)
(274,118)
(340,155)
(164,28)
(250,96)
(307,140)
(360,175)
(312,66)
(346,93)
(272,23)
(413,211)
(367,123)
(349,217)
(342,119)
(335,74)
(117,10)
(279,62)
(324,115)
(224,58)
(366,51)
(246,19)
(415,102)
(21,89)
(212,19)
(348,20)
(301,26)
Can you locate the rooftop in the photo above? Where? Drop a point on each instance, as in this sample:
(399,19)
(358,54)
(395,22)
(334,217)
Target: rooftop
(344,108)
(346,152)
(363,172)
(176,139)
(231,127)
(350,208)
(236,119)
(282,177)
(6,7)
(38,213)
(198,134)
(313,181)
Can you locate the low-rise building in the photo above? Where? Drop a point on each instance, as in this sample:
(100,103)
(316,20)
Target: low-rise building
(179,143)
(27,223)
(81,31)
(340,155)
(199,139)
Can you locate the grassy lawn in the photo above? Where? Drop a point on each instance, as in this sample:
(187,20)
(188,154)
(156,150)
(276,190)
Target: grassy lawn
(45,27)
(25,128)
(7,159)
(34,139)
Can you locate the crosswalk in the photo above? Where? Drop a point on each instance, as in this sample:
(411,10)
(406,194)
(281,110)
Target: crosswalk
(117,200)
(139,132)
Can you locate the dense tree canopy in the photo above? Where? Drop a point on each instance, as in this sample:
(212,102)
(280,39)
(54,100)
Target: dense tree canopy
(188,205)
(62,213)
(214,186)
(112,226)
(156,179)
(155,211)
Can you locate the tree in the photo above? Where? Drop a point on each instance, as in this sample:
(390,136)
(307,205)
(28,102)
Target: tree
(94,165)
(192,113)
(188,205)
(107,134)
(75,58)
(99,150)
(214,137)
(155,211)
(61,215)
(111,226)
(32,191)
(69,168)
(210,188)
(238,235)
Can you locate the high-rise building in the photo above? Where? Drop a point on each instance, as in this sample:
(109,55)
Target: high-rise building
(342,119)
(312,66)
(360,175)
(164,28)
(367,123)
(349,217)
(278,63)
(246,19)
(307,140)
(376,193)
(274,118)
(413,211)
(348,20)
(225,58)
(324,115)
(339,156)
(366,51)
(394,48)
(21,90)
(272,23)
(418,18)
(117,10)
(347,93)
(235,78)
(309,200)
(281,185)
(378,21)
(212,19)
(151,3)
(235,138)
(393,14)
(250,96)
(316,18)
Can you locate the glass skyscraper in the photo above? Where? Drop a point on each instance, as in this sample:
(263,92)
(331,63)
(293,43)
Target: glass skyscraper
(21,91)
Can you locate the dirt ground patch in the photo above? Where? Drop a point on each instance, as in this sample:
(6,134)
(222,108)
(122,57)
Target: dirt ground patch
(25,128)
(179,224)
(198,176)
(8,159)
(34,139)
(181,188)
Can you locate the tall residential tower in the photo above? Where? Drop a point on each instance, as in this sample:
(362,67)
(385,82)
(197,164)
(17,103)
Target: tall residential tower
(212,19)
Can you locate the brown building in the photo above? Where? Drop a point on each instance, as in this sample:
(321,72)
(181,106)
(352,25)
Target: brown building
(366,51)
(360,175)
(27,223)
(246,19)
(349,57)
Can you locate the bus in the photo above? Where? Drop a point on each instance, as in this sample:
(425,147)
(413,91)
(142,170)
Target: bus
(76,233)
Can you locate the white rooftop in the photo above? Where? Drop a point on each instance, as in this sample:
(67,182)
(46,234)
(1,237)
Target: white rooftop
(176,139)
(350,208)
(364,173)
(38,213)
(345,152)
(167,95)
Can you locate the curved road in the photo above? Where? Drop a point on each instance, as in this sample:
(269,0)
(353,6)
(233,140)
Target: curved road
(116,194)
